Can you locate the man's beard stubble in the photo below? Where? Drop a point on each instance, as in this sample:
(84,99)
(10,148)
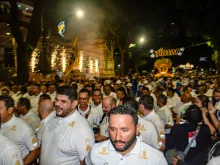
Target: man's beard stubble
(127,144)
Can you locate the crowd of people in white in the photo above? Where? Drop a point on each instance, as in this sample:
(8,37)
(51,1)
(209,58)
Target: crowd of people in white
(97,121)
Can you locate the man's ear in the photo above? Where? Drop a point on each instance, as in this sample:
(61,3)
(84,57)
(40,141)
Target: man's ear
(74,104)
(141,106)
(10,110)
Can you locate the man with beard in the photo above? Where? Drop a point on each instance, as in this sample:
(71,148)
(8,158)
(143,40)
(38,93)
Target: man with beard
(124,147)
(67,137)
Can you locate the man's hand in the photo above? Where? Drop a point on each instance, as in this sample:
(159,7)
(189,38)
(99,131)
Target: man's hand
(211,108)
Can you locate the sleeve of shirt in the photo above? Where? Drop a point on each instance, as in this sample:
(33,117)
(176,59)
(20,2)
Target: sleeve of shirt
(169,117)
(12,156)
(84,143)
(88,158)
(160,128)
(30,139)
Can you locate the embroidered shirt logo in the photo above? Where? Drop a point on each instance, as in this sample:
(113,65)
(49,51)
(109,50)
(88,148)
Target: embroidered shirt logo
(103,151)
(13,128)
(144,155)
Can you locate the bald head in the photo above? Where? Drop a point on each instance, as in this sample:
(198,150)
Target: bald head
(45,108)
(108,104)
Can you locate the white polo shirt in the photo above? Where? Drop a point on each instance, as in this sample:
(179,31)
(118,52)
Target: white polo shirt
(34,100)
(21,134)
(155,119)
(10,153)
(52,96)
(181,109)
(84,113)
(104,127)
(32,120)
(66,140)
(173,102)
(42,125)
(148,133)
(166,116)
(113,94)
(95,115)
(142,154)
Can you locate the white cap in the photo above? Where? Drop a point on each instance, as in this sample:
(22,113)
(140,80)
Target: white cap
(145,82)
(107,82)
(129,85)
(91,79)
(118,82)
(149,87)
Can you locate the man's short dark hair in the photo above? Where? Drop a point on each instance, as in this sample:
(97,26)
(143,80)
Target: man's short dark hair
(162,98)
(36,85)
(125,109)
(85,91)
(9,102)
(147,101)
(68,91)
(170,89)
(45,97)
(216,91)
(96,90)
(122,89)
(25,101)
(146,89)
(131,101)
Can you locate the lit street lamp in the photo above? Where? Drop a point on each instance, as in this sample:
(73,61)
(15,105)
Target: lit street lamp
(79,13)
(142,40)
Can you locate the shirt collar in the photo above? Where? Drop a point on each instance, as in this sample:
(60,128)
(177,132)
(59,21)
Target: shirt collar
(135,151)
(49,117)
(149,115)
(84,112)
(10,122)
(163,108)
(70,118)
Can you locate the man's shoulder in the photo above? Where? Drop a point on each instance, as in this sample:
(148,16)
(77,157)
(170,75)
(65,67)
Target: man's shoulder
(151,150)
(101,148)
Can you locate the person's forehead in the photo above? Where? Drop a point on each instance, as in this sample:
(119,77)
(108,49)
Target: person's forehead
(96,93)
(120,119)
(62,97)
(83,94)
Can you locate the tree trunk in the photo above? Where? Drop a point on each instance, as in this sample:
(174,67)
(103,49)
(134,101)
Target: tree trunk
(122,62)
(23,64)
(217,54)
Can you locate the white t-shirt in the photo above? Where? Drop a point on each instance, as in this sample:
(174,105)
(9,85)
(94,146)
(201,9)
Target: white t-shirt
(10,153)
(66,140)
(142,154)
(148,133)
(32,120)
(21,134)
